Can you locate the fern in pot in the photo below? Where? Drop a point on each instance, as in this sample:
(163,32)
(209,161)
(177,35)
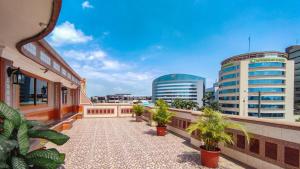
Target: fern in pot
(211,126)
(15,134)
(162,116)
(138,110)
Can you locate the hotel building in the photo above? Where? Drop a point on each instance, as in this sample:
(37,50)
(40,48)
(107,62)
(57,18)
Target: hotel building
(34,78)
(178,86)
(294,54)
(258,84)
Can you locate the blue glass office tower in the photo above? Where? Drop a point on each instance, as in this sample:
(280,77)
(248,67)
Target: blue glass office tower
(182,86)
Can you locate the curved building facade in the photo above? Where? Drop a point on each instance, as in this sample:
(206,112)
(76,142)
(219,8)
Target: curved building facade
(259,84)
(178,86)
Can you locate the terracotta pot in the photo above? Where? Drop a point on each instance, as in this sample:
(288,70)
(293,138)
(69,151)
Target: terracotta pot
(161,131)
(138,118)
(209,159)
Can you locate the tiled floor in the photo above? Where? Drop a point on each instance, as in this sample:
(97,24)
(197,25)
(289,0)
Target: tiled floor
(100,143)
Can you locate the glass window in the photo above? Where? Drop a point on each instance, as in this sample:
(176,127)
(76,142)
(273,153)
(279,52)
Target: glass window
(230,105)
(265,106)
(275,115)
(231,83)
(266,73)
(229,76)
(266,81)
(266,97)
(64,95)
(33,92)
(229,98)
(266,64)
(267,90)
(41,92)
(231,112)
(27,94)
(231,68)
(228,91)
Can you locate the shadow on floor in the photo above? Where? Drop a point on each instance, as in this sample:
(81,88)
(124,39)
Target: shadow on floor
(189,157)
(150,132)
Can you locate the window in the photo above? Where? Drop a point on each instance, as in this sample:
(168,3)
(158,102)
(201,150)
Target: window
(229,69)
(231,83)
(265,106)
(230,105)
(266,82)
(231,112)
(268,90)
(229,76)
(267,115)
(64,95)
(228,91)
(229,98)
(33,92)
(266,73)
(254,145)
(266,64)
(266,98)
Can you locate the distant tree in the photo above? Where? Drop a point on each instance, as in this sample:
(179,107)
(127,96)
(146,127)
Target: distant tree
(184,104)
(207,98)
(298,119)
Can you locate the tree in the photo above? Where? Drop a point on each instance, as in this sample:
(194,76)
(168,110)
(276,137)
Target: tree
(184,104)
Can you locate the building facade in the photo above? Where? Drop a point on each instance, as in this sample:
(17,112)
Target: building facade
(34,78)
(294,54)
(178,86)
(259,84)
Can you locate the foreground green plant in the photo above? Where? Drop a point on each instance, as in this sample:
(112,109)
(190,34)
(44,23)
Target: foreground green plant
(161,114)
(138,109)
(15,132)
(211,126)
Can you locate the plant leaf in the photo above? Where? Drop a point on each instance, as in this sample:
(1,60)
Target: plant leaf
(34,123)
(6,146)
(49,159)
(10,114)
(8,128)
(23,139)
(18,163)
(3,165)
(51,135)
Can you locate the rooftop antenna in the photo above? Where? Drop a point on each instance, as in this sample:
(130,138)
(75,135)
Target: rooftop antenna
(249,43)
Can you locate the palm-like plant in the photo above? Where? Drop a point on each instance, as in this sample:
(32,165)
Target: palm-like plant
(138,109)
(15,133)
(161,114)
(211,126)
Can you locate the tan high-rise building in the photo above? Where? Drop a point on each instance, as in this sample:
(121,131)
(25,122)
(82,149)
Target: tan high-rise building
(258,84)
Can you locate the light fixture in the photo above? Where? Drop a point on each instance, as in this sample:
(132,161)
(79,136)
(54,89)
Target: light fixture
(17,76)
(44,69)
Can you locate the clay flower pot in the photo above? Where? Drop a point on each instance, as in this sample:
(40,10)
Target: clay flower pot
(138,118)
(209,159)
(161,131)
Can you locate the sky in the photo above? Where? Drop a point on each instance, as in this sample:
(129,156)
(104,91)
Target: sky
(121,46)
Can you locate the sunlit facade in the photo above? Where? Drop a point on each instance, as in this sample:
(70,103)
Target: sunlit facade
(181,86)
(266,76)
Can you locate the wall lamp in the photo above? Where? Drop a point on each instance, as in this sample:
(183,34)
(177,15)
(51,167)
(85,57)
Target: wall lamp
(17,76)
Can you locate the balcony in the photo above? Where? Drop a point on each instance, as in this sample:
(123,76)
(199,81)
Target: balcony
(124,143)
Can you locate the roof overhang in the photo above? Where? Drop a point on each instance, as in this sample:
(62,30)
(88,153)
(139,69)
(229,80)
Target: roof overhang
(26,21)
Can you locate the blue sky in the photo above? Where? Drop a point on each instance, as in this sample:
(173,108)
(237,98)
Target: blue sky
(121,46)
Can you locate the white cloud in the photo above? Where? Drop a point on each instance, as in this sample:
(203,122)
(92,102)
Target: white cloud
(66,33)
(86,4)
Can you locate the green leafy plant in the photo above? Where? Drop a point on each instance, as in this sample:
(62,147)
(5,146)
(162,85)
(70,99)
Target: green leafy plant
(161,114)
(184,104)
(15,133)
(138,109)
(212,127)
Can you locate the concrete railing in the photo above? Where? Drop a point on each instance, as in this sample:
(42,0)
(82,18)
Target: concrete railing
(108,110)
(274,144)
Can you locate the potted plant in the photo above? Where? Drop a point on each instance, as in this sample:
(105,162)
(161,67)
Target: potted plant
(15,133)
(211,126)
(138,110)
(162,116)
